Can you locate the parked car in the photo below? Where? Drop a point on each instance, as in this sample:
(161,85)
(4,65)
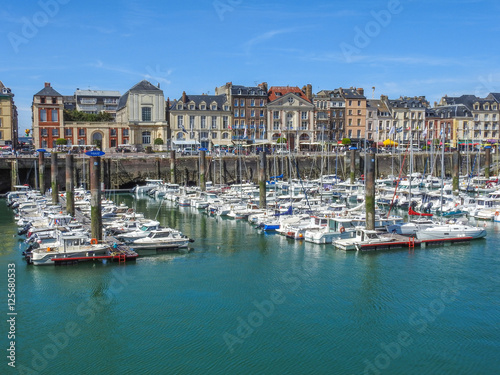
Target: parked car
(189,151)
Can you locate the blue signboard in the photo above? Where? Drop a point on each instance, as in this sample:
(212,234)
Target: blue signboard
(203,149)
(41,150)
(95,153)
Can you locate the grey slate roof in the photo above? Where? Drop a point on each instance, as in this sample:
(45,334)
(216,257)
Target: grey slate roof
(469,100)
(47,91)
(143,86)
(246,91)
(198,99)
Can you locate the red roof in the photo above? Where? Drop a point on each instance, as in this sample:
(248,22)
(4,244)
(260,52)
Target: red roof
(275,91)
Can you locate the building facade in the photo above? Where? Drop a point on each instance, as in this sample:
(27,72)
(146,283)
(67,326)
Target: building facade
(97,101)
(201,121)
(49,125)
(142,110)
(248,110)
(8,118)
(290,115)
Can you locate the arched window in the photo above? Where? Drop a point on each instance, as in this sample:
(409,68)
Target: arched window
(146,138)
(225,135)
(180,136)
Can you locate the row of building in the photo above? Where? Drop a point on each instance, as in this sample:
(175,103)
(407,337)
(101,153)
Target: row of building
(257,115)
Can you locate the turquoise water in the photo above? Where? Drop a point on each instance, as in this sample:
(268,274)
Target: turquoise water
(243,302)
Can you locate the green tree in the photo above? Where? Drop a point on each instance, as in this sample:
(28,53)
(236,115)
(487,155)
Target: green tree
(61,141)
(281,140)
(346,141)
(158,141)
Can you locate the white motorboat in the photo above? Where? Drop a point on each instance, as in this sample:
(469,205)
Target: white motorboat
(161,239)
(142,232)
(445,231)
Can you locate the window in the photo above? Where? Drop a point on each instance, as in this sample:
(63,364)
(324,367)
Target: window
(191,122)
(304,125)
(242,113)
(53,113)
(214,134)
(44,144)
(359,112)
(180,122)
(214,122)
(261,113)
(112,132)
(226,108)
(350,103)
(54,100)
(203,107)
(252,113)
(261,102)
(276,114)
(252,102)
(81,132)
(125,132)
(236,113)
(225,135)
(358,134)
(203,134)
(203,122)
(146,138)
(44,132)
(68,132)
(146,114)
(242,102)
(359,122)
(350,112)
(225,122)
(113,143)
(276,125)
(349,134)
(43,115)
(350,122)
(42,100)
(214,107)
(191,106)
(0,122)
(304,116)
(236,102)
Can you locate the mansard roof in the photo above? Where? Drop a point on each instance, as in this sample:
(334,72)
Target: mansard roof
(247,91)
(198,99)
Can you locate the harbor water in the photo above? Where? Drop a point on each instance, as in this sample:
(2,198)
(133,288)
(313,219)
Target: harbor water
(246,302)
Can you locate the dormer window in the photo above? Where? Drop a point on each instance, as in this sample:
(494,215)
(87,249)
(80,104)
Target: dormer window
(42,100)
(290,100)
(191,106)
(203,107)
(214,107)
(179,106)
(476,106)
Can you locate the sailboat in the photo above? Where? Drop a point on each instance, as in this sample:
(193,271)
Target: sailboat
(458,229)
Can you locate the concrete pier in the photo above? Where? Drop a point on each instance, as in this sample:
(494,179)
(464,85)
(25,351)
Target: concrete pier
(41,172)
(95,198)
(70,186)
(370,192)
(262,180)
(53,178)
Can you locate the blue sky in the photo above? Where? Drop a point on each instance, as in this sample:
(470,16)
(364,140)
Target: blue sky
(404,47)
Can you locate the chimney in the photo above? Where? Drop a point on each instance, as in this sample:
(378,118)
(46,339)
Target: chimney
(309,92)
(184,97)
(263,86)
(158,84)
(361,91)
(47,84)
(435,104)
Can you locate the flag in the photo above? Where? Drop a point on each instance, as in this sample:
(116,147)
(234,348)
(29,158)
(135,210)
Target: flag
(183,129)
(245,132)
(399,130)
(391,132)
(424,133)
